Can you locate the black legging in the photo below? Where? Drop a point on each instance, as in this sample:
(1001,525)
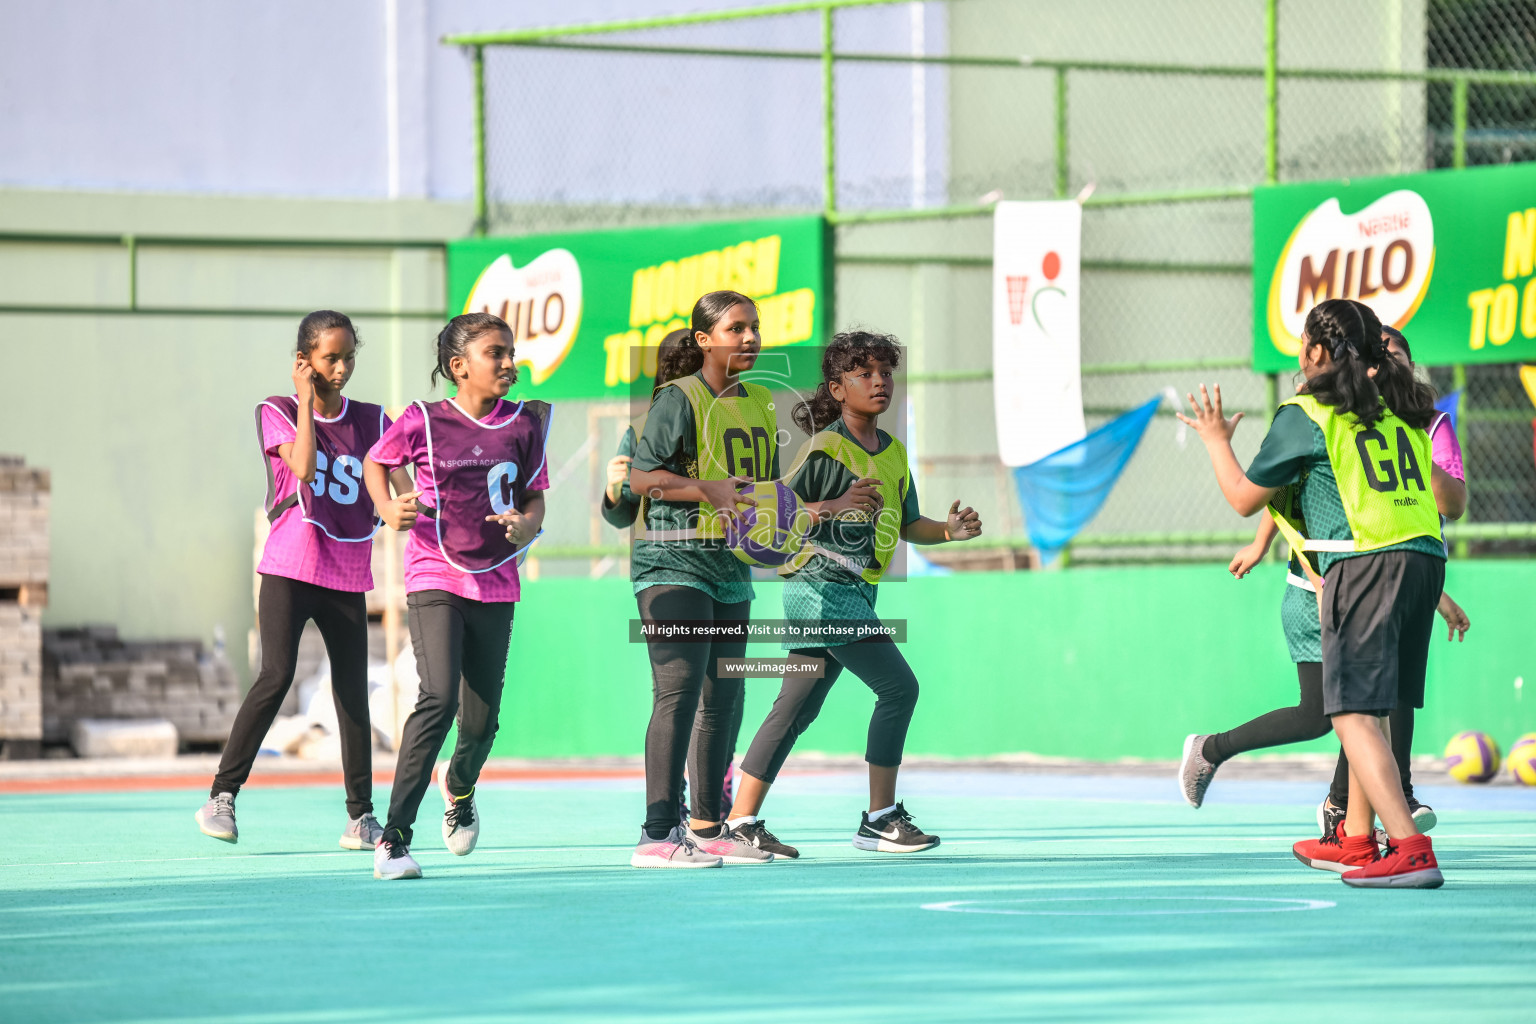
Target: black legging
(875,660)
(461,657)
(687,695)
(284,606)
(1306,721)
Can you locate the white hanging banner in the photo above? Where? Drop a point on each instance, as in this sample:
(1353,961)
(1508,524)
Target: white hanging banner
(1037,383)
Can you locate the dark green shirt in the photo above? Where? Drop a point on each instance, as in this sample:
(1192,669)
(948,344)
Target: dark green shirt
(1294,451)
(822,478)
(670,441)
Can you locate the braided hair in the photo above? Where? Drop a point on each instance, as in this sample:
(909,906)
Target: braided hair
(1353,337)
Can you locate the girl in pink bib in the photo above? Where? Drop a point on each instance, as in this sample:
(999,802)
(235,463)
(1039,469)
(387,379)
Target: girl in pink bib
(477,503)
(314,566)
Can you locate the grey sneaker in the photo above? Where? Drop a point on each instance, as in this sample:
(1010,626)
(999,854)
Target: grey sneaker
(729,848)
(362,833)
(1195,772)
(461,820)
(393,860)
(675,851)
(217,818)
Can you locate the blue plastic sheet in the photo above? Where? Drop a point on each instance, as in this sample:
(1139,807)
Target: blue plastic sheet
(1062,492)
(1450,405)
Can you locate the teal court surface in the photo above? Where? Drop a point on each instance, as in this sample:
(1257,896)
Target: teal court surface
(1054,897)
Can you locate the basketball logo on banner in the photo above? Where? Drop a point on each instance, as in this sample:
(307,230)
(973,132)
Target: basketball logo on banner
(1036,354)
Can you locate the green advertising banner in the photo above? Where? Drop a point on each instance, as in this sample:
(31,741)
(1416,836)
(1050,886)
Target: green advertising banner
(1444,256)
(588,309)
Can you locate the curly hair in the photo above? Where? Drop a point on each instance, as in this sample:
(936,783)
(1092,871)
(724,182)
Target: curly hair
(849,350)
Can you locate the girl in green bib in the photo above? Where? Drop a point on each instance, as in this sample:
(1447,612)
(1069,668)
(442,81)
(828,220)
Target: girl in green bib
(853,477)
(705,434)
(1354,440)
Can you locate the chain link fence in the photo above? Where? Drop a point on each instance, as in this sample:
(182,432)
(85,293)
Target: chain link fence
(938,109)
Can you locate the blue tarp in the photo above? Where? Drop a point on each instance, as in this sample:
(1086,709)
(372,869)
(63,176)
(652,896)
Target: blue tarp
(1450,405)
(1061,493)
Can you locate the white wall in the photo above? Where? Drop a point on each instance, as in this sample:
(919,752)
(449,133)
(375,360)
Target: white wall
(359,99)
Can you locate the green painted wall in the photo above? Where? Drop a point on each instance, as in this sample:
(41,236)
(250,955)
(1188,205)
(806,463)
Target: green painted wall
(1088,663)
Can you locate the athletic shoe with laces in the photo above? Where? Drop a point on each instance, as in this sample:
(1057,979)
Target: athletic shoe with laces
(461,821)
(1337,851)
(1195,772)
(755,833)
(892,832)
(362,833)
(1329,817)
(675,851)
(392,859)
(1406,864)
(216,818)
(728,847)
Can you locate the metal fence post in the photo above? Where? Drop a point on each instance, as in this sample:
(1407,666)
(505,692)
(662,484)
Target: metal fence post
(481,207)
(133,270)
(1061,133)
(1459,122)
(828,111)
(1271,93)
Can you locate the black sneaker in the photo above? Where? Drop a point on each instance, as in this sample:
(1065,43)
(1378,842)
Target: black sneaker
(755,833)
(1329,818)
(1423,815)
(893,832)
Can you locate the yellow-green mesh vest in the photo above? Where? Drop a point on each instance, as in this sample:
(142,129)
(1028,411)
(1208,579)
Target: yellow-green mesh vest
(734,437)
(890,468)
(1383,475)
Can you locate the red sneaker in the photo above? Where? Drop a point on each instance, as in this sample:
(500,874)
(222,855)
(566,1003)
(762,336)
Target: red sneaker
(1336,852)
(1407,864)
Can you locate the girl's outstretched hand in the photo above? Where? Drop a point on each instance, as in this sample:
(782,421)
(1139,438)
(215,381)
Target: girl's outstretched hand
(963,523)
(1209,422)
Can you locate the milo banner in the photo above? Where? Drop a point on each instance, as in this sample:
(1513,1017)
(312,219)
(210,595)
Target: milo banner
(588,309)
(1447,257)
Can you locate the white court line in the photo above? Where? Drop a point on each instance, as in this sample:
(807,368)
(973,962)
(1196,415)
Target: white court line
(984,906)
(821,844)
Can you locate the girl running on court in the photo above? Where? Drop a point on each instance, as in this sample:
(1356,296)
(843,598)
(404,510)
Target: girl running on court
(705,434)
(678,355)
(1355,441)
(1203,754)
(314,566)
(853,477)
(478,500)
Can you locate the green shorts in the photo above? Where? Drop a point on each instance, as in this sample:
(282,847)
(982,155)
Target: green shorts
(1303,629)
(809,602)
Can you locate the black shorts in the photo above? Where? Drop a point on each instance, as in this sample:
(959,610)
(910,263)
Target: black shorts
(1378,616)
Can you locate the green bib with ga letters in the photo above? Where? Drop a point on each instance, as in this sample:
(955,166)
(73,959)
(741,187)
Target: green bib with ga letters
(1383,474)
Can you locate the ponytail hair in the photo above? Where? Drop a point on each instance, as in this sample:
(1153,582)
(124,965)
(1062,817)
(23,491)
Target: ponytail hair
(678,355)
(459,332)
(323,320)
(849,350)
(1353,336)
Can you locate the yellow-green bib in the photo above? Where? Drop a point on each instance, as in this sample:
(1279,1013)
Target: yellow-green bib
(736,437)
(890,468)
(1383,475)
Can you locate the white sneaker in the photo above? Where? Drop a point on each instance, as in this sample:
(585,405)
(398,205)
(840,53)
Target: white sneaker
(675,851)
(394,860)
(216,818)
(461,822)
(362,833)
